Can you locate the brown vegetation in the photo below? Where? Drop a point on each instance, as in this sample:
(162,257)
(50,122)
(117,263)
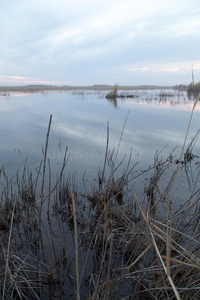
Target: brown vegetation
(193,90)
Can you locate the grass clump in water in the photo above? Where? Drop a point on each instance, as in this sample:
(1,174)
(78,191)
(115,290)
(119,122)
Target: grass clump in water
(113,93)
(193,90)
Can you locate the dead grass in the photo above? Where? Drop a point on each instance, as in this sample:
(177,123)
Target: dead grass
(193,90)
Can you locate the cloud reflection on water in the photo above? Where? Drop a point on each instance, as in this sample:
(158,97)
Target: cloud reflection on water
(81,124)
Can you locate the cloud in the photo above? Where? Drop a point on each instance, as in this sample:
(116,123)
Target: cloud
(89,41)
(26,80)
(141,69)
(168,67)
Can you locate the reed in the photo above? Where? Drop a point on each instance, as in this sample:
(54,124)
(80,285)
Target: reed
(76,246)
(113,93)
(193,90)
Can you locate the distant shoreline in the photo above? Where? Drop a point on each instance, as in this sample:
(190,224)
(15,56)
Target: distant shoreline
(43,88)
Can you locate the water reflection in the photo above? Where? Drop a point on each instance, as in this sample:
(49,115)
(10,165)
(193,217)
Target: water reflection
(80,122)
(113,101)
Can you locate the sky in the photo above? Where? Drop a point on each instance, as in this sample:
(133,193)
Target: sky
(88,42)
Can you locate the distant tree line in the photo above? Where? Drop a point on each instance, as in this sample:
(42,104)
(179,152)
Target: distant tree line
(193,90)
(181,87)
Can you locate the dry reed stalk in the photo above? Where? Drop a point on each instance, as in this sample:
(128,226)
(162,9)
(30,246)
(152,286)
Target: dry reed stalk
(186,136)
(48,210)
(40,241)
(101,180)
(192,75)
(109,269)
(183,252)
(179,262)
(38,170)
(122,132)
(163,265)
(194,234)
(98,286)
(173,229)
(91,242)
(157,250)
(139,257)
(44,162)
(8,250)
(76,246)
(65,160)
(168,240)
(196,100)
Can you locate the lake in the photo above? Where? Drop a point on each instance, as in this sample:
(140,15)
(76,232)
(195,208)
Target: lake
(145,132)
(157,121)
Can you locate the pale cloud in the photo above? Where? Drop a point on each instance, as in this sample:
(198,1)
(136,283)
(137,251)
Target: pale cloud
(168,67)
(142,69)
(168,70)
(99,41)
(26,80)
(128,20)
(75,35)
(179,28)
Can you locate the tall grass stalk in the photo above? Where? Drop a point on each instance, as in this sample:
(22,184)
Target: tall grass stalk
(44,162)
(147,220)
(101,178)
(76,247)
(8,252)
(184,143)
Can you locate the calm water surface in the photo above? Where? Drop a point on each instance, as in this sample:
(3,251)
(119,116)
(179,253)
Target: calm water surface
(154,123)
(80,121)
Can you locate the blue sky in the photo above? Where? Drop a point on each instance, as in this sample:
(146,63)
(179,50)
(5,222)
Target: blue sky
(90,42)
